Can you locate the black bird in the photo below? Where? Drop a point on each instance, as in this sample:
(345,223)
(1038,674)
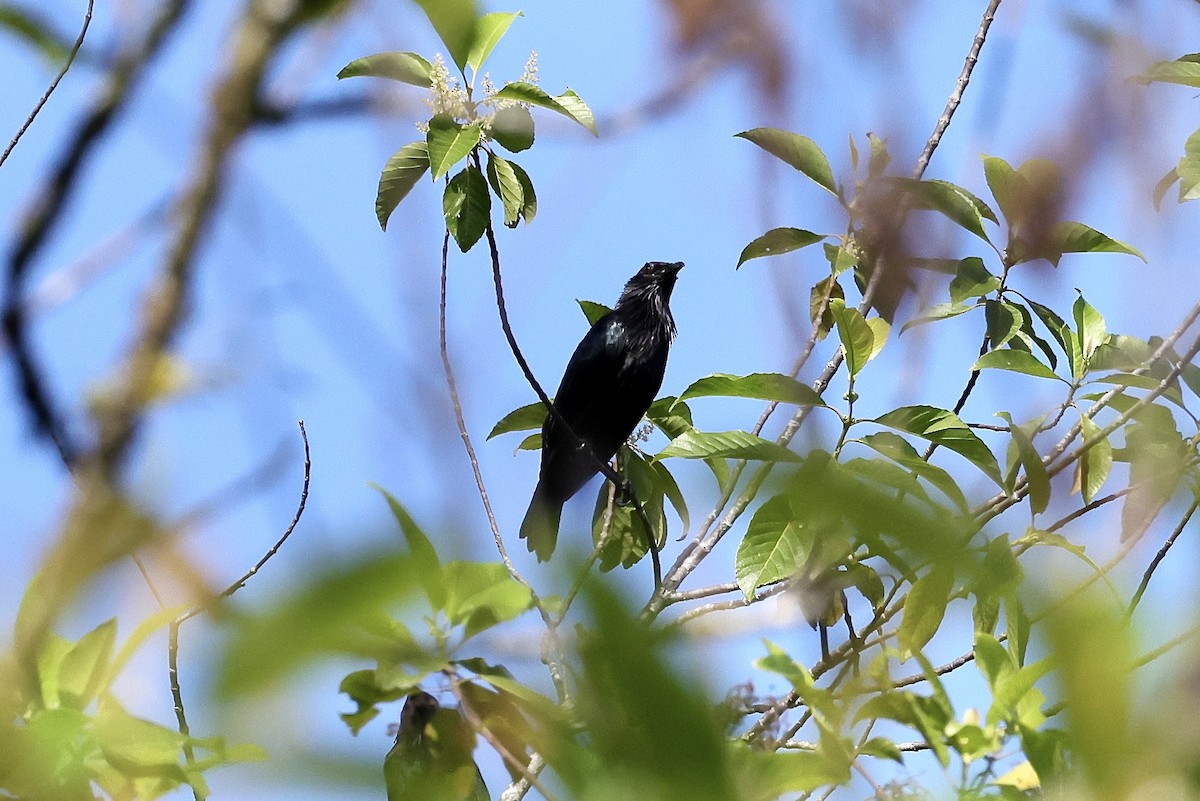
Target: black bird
(608,385)
(431,758)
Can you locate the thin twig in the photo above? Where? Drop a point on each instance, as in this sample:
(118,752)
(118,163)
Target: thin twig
(606,469)
(960,86)
(459,419)
(87,20)
(1158,557)
(204,606)
(478,725)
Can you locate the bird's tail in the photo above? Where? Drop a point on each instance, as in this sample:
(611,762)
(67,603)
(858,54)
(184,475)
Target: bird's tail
(539,529)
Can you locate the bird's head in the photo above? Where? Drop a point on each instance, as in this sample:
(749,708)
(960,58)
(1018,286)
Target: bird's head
(651,287)
(644,300)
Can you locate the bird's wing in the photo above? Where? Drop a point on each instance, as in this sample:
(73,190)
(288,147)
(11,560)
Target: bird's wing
(592,372)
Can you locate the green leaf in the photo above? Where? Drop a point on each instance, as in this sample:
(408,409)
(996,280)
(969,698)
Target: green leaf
(133,745)
(956,203)
(568,103)
(1189,169)
(797,151)
(924,609)
(405,67)
(424,555)
(85,666)
(526,418)
(1003,322)
(669,487)
(858,339)
(1163,186)
(946,429)
(593,311)
(489,30)
(880,158)
(672,416)
(939,311)
(399,176)
(1017,361)
(841,257)
(454,21)
(482,594)
(467,205)
(776,544)
(1096,463)
(528,196)
(1006,185)
(512,127)
(896,448)
(503,179)
(880,328)
(761,386)
(817,302)
(449,142)
(1184,71)
(1075,237)
(972,280)
(928,715)
(1036,478)
(1092,330)
(1063,335)
(777,241)
(694,444)
(35,31)
(337,608)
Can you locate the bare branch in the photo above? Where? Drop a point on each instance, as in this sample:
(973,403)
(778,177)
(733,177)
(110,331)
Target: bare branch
(1162,554)
(87,20)
(204,606)
(960,86)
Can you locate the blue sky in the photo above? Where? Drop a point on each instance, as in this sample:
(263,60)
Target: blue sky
(305,309)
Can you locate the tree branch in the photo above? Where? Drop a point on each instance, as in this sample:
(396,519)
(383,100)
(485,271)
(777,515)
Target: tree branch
(87,20)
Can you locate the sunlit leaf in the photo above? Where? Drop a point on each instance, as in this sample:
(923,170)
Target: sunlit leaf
(795,150)
(85,666)
(777,241)
(953,201)
(858,338)
(776,544)
(481,594)
(946,429)
(568,104)
(455,22)
(504,182)
(525,418)
(972,280)
(399,176)
(449,142)
(1017,361)
(1184,71)
(424,555)
(489,30)
(405,67)
(466,205)
(1036,479)
(761,386)
(924,609)
(693,444)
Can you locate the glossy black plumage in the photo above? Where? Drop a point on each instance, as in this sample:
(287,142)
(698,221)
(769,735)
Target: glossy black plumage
(608,385)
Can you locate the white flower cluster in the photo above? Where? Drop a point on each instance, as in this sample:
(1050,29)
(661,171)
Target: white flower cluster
(446,94)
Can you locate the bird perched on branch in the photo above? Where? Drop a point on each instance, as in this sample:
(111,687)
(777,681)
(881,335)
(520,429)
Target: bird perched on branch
(608,385)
